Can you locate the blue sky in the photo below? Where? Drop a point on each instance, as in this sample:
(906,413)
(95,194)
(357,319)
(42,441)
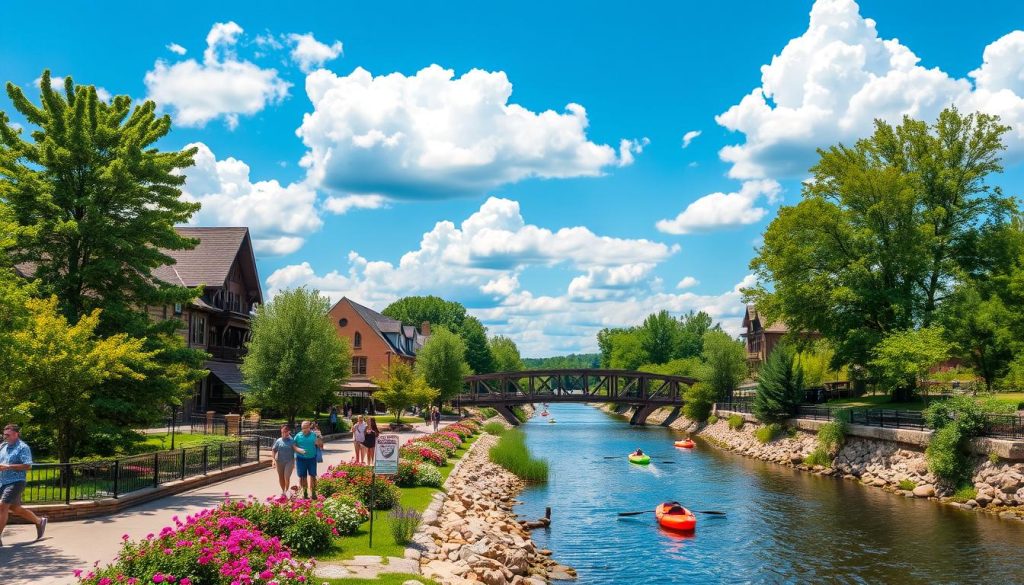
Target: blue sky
(526,160)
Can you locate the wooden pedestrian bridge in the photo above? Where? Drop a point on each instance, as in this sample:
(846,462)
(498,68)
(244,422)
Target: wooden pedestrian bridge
(643,390)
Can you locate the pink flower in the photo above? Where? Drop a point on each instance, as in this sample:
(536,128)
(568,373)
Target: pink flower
(185,581)
(158,578)
(103,581)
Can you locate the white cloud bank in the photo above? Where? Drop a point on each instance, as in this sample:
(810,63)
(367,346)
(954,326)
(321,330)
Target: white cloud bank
(309,53)
(829,84)
(433,135)
(222,86)
(723,210)
(279,217)
(480,262)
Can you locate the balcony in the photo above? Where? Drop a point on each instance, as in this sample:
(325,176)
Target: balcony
(228,354)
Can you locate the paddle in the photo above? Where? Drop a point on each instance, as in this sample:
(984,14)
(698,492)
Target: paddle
(713,512)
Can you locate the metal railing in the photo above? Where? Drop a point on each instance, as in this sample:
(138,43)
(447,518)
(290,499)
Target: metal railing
(1004,426)
(745,406)
(111,478)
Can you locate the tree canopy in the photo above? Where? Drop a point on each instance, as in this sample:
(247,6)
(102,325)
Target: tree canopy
(435,310)
(506,354)
(400,387)
(478,350)
(296,361)
(442,362)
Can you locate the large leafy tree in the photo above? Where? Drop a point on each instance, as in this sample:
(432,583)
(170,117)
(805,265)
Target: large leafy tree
(725,363)
(478,350)
(885,231)
(57,368)
(296,361)
(506,354)
(442,362)
(435,310)
(692,327)
(780,386)
(96,205)
(903,358)
(659,337)
(983,331)
(401,387)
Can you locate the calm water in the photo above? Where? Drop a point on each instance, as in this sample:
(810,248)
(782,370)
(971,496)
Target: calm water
(782,526)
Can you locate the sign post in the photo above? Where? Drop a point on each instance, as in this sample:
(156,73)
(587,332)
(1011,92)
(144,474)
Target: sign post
(385,462)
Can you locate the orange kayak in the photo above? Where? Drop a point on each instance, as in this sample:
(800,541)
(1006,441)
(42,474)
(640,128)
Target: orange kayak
(685,444)
(675,517)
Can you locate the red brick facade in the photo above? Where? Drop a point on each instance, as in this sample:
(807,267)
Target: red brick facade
(376,342)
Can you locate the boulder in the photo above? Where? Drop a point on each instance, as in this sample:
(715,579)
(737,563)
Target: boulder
(924,491)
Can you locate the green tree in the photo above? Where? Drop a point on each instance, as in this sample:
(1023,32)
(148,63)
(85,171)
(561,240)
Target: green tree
(573,361)
(296,361)
(435,310)
(691,366)
(725,363)
(400,388)
(96,205)
(478,351)
(605,339)
(698,401)
(982,331)
(885,230)
(506,354)
(659,337)
(692,328)
(58,366)
(442,362)
(903,358)
(816,362)
(628,351)
(780,386)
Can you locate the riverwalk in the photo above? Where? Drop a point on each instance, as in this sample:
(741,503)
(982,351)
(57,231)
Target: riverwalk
(78,545)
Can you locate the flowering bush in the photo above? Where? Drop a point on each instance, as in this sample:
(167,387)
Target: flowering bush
(301,524)
(403,523)
(421,452)
(443,444)
(428,475)
(408,472)
(354,480)
(462,430)
(348,513)
(209,548)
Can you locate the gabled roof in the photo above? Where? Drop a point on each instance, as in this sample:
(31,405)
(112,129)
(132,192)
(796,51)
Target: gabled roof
(751,315)
(383,325)
(209,262)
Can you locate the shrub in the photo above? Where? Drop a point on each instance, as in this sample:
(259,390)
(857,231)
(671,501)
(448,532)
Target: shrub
(348,513)
(956,420)
(520,413)
(965,493)
(907,485)
(301,524)
(945,458)
(488,412)
(308,535)
(768,433)
(736,421)
(337,479)
(407,473)
(403,523)
(831,436)
(495,428)
(512,454)
(993,458)
(355,481)
(780,386)
(422,452)
(698,401)
(712,419)
(428,475)
(819,457)
(209,548)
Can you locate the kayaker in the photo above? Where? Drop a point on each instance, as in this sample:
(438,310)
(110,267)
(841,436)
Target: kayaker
(638,452)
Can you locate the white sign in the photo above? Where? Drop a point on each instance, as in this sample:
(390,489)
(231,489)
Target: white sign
(385,458)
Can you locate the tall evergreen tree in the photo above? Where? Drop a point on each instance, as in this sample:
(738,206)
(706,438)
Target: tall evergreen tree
(780,386)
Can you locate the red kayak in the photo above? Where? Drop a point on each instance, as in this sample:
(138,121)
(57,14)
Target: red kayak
(685,444)
(675,517)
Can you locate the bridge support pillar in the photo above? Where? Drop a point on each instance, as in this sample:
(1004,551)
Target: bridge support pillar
(507,414)
(642,412)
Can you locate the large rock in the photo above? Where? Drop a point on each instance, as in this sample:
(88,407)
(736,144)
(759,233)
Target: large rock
(924,491)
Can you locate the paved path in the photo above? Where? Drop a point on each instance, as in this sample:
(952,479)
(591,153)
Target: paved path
(77,545)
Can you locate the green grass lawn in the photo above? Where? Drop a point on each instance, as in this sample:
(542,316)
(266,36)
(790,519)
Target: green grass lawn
(876,401)
(418,498)
(162,441)
(383,579)
(1013,398)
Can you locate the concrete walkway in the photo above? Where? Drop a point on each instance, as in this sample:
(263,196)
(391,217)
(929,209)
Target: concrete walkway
(77,545)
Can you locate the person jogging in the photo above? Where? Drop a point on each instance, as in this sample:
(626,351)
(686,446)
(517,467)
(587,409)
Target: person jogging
(15,461)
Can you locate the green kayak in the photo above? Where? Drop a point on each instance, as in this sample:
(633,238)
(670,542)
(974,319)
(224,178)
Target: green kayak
(639,459)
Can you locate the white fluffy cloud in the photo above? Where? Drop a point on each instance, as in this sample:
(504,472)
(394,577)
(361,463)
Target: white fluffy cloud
(829,84)
(432,135)
(342,205)
(723,210)
(309,53)
(689,136)
(278,216)
(687,282)
(480,262)
(176,48)
(222,86)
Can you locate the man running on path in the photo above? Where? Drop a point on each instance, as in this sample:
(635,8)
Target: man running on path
(15,461)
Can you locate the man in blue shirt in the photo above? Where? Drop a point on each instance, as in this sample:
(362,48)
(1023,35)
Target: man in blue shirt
(305,463)
(15,461)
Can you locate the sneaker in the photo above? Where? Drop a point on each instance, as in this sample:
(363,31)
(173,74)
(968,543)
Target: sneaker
(41,528)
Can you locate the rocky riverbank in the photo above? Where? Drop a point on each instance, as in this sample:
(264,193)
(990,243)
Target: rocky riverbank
(474,536)
(895,467)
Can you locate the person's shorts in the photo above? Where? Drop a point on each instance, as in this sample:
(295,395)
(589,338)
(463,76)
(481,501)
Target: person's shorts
(11,493)
(305,466)
(285,469)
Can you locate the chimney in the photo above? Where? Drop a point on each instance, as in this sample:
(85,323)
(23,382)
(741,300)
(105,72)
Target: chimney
(425,328)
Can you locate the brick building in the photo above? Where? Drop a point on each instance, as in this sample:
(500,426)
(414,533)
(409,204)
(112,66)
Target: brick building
(376,342)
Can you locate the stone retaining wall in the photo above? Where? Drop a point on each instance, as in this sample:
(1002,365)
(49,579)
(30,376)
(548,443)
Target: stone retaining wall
(472,536)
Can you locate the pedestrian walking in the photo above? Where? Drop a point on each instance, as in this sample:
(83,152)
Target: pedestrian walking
(333,418)
(370,440)
(283,452)
(435,417)
(15,461)
(358,436)
(305,463)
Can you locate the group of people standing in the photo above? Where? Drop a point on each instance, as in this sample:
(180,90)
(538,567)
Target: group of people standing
(364,439)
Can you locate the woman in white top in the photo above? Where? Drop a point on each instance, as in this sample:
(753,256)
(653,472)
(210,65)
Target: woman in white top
(358,436)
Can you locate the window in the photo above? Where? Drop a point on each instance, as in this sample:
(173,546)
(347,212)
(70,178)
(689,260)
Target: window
(198,327)
(342,322)
(359,366)
(357,342)
(177,308)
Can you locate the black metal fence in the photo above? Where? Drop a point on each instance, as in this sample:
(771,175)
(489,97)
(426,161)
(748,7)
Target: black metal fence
(112,478)
(1001,426)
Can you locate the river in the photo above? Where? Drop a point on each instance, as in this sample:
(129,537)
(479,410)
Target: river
(781,525)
